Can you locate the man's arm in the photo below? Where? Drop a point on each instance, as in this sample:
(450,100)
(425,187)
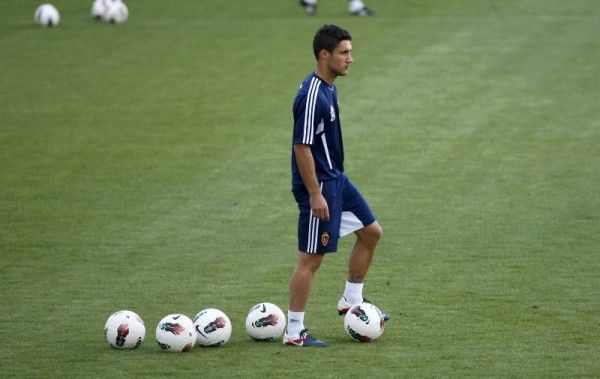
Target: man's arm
(306,166)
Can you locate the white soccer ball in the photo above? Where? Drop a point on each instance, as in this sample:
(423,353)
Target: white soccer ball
(46,15)
(124,330)
(175,333)
(213,327)
(116,12)
(364,322)
(265,322)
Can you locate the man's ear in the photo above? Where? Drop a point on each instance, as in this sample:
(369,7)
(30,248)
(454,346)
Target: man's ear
(324,53)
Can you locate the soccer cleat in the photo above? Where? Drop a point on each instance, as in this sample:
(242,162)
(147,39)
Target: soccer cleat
(344,306)
(309,9)
(364,11)
(303,339)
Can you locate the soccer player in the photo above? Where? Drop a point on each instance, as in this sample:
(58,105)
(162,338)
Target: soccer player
(355,7)
(330,205)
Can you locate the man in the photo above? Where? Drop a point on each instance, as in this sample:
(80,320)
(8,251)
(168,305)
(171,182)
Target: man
(329,204)
(355,7)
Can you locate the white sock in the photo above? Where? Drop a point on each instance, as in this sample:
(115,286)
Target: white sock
(311,2)
(295,322)
(353,292)
(355,5)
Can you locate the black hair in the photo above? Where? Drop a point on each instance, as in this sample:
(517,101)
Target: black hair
(328,37)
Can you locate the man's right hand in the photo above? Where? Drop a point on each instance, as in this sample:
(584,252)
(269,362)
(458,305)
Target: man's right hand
(319,206)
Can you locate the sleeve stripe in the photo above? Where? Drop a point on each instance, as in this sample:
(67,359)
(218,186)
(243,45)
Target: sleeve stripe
(309,111)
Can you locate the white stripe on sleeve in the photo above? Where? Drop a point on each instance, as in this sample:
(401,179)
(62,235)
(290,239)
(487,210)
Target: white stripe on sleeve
(309,111)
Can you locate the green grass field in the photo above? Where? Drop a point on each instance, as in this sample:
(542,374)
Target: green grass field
(145,166)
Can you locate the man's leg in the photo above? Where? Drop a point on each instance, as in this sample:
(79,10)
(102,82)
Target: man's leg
(310,6)
(358,8)
(358,266)
(300,286)
(363,251)
(302,279)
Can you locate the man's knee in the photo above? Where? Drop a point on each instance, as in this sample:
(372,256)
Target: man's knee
(371,234)
(377,231)
(309,261)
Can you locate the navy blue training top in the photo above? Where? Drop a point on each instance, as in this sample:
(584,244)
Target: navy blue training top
(317,124)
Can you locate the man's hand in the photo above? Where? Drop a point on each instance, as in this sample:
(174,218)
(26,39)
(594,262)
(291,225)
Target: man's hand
(319,206)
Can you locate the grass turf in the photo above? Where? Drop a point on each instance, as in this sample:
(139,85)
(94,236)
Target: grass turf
(146,166)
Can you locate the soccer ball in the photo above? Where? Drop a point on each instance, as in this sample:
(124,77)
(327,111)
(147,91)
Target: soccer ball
(175,333)
(265,322)
(124,330)
(213,327)
(116,12)
(364,322)
(46,15)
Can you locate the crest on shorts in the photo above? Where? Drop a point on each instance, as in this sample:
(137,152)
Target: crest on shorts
(325,238)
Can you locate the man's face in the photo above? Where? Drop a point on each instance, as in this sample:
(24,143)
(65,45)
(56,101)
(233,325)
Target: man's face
(340,58)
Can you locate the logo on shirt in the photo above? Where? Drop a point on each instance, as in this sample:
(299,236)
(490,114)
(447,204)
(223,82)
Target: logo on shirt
(332,112)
